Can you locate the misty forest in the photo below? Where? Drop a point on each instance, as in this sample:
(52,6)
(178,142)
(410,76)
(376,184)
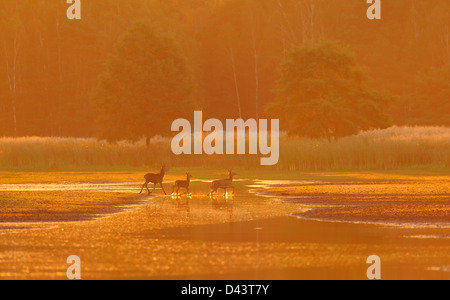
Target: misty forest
(130,67)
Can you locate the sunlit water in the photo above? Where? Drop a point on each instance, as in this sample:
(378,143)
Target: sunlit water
(119,187)
(70,186)
(246,205)
(260,186)
(255,188)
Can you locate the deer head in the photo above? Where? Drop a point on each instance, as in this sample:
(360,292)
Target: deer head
(231,173)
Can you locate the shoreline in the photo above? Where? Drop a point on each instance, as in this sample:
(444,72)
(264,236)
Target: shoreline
(380,223)
(384,209)
(246,237)
(260,188)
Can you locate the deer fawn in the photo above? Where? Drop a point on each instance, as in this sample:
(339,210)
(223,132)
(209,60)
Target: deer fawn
(155,179)
(182,184)
(223,184)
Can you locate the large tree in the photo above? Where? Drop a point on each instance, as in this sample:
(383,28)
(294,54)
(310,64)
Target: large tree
(323,93)
(147,84)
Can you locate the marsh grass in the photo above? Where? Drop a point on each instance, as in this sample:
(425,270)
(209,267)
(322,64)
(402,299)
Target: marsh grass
(393,148)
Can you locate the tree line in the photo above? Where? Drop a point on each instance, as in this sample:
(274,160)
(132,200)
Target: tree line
(234,55)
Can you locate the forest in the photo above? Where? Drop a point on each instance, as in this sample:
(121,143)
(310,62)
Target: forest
(50,67)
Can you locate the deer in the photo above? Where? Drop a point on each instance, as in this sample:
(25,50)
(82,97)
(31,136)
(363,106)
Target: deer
(155,179)
(223,184)
(182,184)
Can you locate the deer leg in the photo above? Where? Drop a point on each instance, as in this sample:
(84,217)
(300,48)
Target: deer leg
(154,187)
(146,185)
(143,186)
(163,188)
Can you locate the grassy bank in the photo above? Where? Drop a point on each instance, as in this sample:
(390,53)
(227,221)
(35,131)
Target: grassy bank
(391,149)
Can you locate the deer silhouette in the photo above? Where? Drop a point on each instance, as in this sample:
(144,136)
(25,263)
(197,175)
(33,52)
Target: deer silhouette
(223,184)
(182,184)
(155,179)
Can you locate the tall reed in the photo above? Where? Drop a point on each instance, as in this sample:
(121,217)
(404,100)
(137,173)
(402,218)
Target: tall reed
(393,148)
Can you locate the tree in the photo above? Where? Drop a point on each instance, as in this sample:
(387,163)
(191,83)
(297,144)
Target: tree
(323,93)
(237,78)
(10,46)
(49,65)
(146,84)
(429,104)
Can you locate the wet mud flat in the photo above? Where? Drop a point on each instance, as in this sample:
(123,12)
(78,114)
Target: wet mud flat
(248,236)
(65,202)
(402,204)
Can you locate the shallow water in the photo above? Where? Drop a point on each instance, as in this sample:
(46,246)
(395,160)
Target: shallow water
(310,206)
(71,186)
(245,236)
(264,184)
(411,206)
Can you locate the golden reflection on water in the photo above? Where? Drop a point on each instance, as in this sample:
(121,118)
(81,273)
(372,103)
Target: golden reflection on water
(236,236)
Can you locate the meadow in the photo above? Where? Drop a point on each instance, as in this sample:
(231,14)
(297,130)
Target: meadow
(395,148)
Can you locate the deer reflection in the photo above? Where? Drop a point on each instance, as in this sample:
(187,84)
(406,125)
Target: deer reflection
(182,204)
(225,204)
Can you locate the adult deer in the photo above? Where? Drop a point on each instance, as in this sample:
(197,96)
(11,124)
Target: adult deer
(223,184)
(155,179)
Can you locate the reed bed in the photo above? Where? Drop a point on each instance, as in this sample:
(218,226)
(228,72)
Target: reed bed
(393,148)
